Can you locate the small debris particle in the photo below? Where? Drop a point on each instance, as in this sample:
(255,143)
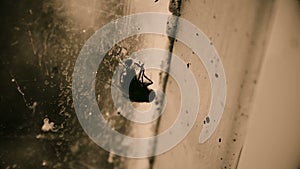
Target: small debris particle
(13,166)
(14,43)
(216,75)
(207,119)
(220,140)
(44,163)
(46,82)
(17,28)
(197,34)
(33,106)
(110,158)
(214,17)
(47,126)
(39,136)
(188,65)
(155,1)
(234,140)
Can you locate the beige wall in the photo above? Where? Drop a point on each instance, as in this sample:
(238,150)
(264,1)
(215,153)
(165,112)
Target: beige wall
(239,30)
(273,139)
(254,38)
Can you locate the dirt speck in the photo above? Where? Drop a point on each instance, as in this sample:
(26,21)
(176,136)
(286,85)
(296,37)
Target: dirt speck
(207,119)
(216,75)
(188,65)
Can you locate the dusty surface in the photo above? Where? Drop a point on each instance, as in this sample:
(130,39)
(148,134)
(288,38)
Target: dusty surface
(40,43)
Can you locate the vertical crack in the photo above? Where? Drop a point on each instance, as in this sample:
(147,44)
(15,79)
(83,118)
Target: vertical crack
(174,8)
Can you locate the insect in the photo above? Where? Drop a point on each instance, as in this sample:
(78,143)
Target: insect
(135,85)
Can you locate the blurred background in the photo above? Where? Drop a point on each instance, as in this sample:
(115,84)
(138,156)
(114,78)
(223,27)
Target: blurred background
(273,134)
(259,45)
